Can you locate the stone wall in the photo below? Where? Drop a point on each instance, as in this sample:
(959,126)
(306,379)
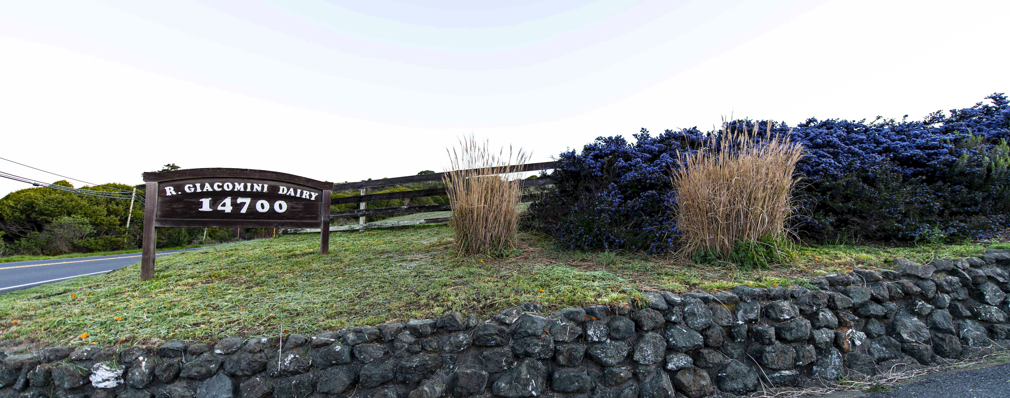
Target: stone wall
(693,345)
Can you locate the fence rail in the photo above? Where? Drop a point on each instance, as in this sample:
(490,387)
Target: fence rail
(363,212)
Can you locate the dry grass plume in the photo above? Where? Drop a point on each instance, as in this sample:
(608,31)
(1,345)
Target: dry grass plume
(484,194)
(735,189)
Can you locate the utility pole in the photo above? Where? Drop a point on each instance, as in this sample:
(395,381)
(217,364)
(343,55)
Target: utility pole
(129,214)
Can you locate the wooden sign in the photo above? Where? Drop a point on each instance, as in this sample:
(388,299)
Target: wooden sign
(232,198)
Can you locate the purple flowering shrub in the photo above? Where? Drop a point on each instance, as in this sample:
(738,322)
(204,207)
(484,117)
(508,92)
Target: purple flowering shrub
(944,178)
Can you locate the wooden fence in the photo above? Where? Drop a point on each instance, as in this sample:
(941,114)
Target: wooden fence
(364,187)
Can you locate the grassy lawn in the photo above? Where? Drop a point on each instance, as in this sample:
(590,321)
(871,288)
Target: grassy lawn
(272,286)
(11,259)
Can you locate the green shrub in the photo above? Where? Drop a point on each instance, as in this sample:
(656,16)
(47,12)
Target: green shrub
(760,254)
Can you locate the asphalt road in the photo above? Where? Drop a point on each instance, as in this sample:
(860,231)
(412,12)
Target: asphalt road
(987,382)
(25,274)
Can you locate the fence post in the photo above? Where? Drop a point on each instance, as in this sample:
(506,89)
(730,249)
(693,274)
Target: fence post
(362,206)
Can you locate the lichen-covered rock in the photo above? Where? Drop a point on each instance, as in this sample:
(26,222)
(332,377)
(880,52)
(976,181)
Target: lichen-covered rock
(596,331)
(105,377)
(697,316)
(676,361)
(829,366)
(989,313)
(989,293)
(525,380)
(650,349)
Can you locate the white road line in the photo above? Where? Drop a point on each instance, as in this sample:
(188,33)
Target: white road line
(53,280)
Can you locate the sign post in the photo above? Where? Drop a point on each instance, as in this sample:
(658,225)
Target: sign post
(232,198)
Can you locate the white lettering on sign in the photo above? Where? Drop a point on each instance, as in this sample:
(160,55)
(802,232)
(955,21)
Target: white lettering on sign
(225,205)
(232,186)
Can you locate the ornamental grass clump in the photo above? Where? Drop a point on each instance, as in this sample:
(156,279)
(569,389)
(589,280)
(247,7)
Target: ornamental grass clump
(734,194)
(484,194)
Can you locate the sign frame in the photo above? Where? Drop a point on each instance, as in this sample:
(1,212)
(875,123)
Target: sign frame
(153,219)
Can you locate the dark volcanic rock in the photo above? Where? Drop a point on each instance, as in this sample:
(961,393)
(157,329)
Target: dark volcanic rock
(647,320)
(490,335)
(571,381)
(608,354)
(219,386)
(335,380)
(201,368)
(910,329)
(657,385)
(525,380)
(693,382)
(946,345)
(571,354)
(533,347)
(777,356)
(621,328)
(829,365)
(497,359)
(470,382)
(781,311)
(697,316)
(650,349)
(794,330)
(681,338)
(737,378)
(677,361)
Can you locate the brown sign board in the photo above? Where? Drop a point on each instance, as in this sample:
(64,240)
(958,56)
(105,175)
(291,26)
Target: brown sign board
(232,198)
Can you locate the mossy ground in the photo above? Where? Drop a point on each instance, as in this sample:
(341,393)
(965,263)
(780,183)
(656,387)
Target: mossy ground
(283,285)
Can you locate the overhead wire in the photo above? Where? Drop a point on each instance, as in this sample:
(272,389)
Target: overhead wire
(81,191)
(60,175)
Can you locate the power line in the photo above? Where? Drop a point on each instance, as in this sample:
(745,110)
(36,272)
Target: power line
(59,175)
(88,192)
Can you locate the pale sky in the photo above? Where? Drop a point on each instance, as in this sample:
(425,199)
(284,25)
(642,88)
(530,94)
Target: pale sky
(348,90)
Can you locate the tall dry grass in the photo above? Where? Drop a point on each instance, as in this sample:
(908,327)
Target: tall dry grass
(735,189)
(484,194)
